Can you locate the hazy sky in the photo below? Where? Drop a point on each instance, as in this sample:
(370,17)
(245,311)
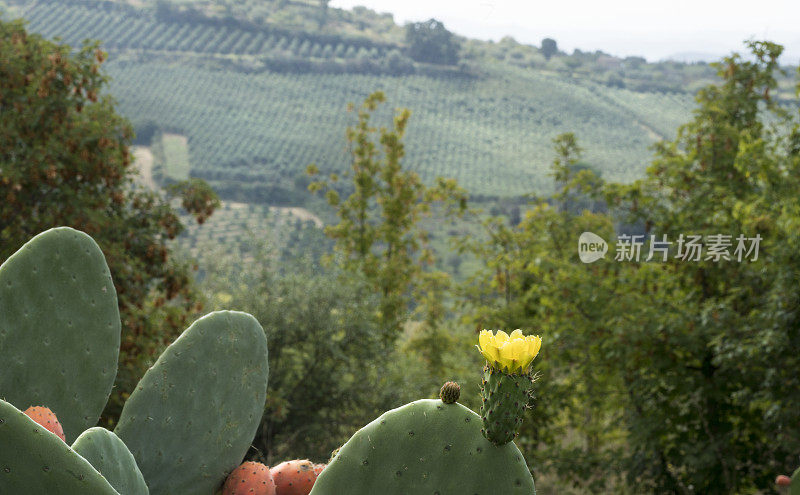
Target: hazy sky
(653,29)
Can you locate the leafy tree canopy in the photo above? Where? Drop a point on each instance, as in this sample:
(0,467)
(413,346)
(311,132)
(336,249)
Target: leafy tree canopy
(378,234)
(549,47)
(430,42)
(681,374)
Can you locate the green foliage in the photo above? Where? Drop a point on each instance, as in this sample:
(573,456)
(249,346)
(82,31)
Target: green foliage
(57,304)
(73,168)
(378,233)
(730,171)
(331,369)
(430,42)
(677,373)
(532,280)
(198,197)
(425,447)
(306,15)
(549,48)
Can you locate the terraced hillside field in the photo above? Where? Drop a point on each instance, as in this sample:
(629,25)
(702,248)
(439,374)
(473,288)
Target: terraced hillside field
(493,135)
(252,134)
(241,228)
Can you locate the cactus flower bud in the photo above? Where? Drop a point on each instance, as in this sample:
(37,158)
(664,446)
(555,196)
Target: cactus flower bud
(450,392)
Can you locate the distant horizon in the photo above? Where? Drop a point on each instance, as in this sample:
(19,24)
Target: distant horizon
(622,28)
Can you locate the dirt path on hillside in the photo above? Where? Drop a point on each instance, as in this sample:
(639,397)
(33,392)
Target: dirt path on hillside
(650,131)
(143,160)
(295,211)
(298,212)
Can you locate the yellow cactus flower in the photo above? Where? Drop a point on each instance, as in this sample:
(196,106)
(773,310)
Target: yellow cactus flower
(510,353)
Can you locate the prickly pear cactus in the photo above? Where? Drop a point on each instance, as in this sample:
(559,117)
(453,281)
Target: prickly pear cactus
(795,486)
(504,400)
(192,417)
(59,328)
(425,447)
(34,460)
(111,458)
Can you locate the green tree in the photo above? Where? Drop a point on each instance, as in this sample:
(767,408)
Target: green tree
(430,42)
(324,11)
(64,160)
(549,48)
(680,374)
(732,170)
(378,233)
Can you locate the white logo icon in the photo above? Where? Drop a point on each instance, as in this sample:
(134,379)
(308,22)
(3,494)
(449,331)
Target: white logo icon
(591,247)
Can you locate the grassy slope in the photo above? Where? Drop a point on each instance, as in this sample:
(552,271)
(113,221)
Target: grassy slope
(493,133)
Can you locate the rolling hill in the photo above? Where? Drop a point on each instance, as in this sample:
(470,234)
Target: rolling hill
(258,103)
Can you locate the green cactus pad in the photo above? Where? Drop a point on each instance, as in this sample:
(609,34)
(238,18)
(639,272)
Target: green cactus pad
(795,487)
(109,455)
(192,417)
(59,328)
(425,447)
(504,400)
(33,460)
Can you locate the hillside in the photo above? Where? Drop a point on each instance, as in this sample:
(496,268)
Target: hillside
(259,102)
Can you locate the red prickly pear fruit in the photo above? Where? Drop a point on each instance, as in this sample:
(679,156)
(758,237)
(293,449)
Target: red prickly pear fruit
(295,477)
(783,480)
(251,478)
(318,468)
(47,419)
